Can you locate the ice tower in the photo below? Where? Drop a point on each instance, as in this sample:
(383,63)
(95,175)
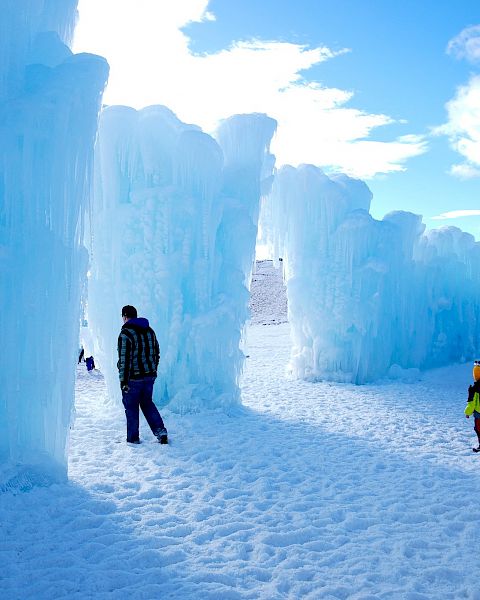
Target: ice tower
(49,104)
(174,226)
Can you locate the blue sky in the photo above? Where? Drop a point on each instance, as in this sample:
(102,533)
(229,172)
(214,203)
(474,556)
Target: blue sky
(357,85)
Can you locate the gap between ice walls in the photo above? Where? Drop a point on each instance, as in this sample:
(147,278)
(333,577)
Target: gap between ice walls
(368,298)
(49,105)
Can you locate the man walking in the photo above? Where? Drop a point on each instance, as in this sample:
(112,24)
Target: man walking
(138,357)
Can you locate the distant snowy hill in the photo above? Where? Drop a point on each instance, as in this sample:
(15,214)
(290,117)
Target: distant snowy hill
(268,295)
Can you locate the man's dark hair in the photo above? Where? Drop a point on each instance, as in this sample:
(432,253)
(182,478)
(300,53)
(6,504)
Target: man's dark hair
(129,311)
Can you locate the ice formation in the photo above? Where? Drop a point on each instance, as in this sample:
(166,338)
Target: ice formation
(173,232)
(366,297)
(49,104)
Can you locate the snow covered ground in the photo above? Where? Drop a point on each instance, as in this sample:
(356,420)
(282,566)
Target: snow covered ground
(268,295)
(315,491)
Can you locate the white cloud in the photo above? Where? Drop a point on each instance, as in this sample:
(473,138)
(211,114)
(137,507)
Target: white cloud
(466,44)
(457,214)
(151,63)
(464,171)
(463,125)
(463,128)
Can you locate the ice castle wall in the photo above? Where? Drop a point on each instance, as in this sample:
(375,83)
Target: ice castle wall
(49,104)
(174,227)
(366,297)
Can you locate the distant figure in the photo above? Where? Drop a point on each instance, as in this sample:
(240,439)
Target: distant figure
(87,346)
(138,357)
(473,402)
(89,362)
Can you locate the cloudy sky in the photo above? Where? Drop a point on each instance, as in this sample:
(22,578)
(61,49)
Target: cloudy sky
(384,90)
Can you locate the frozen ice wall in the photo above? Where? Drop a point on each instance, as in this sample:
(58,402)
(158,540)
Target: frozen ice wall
(368,297)
(448,260)
(174,226)
(49,103)
(26,28)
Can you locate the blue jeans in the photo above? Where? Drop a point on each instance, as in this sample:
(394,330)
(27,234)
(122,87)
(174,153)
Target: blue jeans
(140,396)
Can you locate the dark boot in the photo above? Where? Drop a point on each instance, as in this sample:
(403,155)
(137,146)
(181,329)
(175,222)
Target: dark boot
(162,436)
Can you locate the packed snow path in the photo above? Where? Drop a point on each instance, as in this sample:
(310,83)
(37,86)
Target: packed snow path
(312,491)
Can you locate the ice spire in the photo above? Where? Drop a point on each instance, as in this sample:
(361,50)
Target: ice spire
(49,104)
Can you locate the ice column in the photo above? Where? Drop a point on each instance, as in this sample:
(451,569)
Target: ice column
(368,297)
(448,260)
(174,225)
(49,104)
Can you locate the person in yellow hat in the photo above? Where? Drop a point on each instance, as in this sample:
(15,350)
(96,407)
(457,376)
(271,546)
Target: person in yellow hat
(473,402)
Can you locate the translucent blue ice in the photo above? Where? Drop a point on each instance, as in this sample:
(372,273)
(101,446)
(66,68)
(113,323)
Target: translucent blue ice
(173,232)
(369,297)
(49,104)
